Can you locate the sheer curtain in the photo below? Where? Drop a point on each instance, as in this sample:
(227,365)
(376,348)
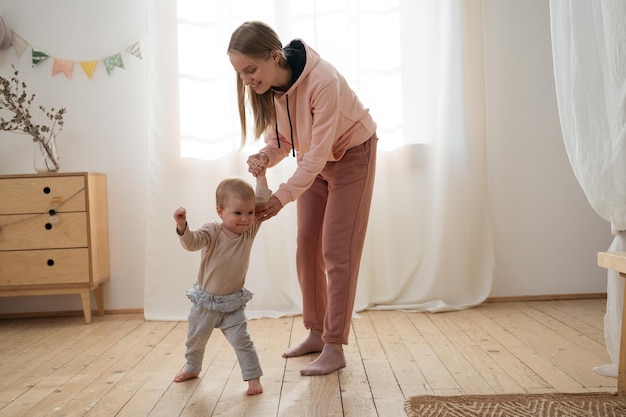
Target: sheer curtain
(418,66)
(589,49)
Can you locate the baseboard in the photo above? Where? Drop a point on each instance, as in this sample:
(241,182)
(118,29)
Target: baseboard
(546,297)
(511,299)
(69,313)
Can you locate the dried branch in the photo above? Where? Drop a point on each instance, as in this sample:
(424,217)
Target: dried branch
(15,100)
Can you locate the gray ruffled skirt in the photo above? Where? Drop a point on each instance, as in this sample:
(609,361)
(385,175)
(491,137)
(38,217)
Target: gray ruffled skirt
(223,303)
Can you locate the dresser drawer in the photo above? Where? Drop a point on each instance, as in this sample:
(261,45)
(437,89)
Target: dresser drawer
(41,194)
(25,231)
(44,267)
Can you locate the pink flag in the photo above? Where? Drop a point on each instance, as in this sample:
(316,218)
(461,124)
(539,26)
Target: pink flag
(63,66)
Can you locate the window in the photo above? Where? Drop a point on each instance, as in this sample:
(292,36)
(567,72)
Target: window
(379,46)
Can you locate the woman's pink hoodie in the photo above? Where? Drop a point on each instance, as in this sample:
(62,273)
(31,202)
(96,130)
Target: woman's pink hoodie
(323,120)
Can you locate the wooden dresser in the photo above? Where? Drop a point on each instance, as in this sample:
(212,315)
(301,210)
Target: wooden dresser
(54,236)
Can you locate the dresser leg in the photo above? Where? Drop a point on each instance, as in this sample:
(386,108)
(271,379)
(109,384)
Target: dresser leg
(85,297)
(100,300)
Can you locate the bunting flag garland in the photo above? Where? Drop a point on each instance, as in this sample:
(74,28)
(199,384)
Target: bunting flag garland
(19,44)
(112,62)
(63,66)
(134,50)
(38,57)
(89,67)
(66,66)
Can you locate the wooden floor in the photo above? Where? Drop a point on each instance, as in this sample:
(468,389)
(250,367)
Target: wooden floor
(122,365)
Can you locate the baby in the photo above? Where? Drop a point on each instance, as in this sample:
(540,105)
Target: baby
(219,297)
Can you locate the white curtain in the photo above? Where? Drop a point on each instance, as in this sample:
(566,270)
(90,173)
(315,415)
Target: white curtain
(589,49)
(429,244)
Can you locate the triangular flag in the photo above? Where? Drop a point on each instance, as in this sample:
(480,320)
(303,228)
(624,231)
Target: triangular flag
(112,62)
(38,57)
(135,50)
(89,67)
(63,66)
(19,44)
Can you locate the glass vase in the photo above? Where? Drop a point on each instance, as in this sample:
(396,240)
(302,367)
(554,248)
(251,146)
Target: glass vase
(45,157)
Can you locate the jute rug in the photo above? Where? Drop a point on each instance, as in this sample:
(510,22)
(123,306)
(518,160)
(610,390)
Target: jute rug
(517,405)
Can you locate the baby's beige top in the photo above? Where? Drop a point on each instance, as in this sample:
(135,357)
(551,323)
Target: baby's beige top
(224,260)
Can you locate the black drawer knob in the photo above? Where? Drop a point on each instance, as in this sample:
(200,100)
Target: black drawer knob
(48,226)
(46,190)
(50,262)
(52,212)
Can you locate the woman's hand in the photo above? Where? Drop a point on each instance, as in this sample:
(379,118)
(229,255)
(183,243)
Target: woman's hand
(257,163)
(268,210)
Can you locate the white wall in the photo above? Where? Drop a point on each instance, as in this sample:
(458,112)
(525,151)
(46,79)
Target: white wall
(106,127)
(545,232)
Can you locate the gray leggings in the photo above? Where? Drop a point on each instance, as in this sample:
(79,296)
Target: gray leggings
(234,326)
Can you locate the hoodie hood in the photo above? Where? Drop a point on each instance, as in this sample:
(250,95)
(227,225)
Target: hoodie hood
(295,52)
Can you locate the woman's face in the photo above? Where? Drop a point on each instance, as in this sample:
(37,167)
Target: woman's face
(260,74)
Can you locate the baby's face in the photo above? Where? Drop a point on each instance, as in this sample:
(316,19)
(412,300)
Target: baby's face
(237,215)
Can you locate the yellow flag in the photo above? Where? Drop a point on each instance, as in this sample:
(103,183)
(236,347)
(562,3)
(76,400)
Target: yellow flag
(89,67)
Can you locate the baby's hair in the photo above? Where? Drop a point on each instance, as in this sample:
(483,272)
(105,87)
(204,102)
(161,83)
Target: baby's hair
(233,187)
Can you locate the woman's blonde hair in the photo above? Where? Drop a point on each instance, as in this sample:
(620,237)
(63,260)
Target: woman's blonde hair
(256,40)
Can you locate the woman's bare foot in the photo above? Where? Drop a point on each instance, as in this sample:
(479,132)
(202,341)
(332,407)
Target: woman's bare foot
(312,344)
(254,387)
(331,359)
(183,376)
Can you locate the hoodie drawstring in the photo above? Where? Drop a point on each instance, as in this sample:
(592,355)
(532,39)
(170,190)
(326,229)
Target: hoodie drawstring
(276,122)
(293,149)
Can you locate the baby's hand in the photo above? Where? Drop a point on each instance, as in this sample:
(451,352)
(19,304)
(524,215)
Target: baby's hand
(260,172)
(257,164)
(180,215)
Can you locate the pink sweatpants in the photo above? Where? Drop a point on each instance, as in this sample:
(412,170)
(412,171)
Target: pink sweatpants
(332,221)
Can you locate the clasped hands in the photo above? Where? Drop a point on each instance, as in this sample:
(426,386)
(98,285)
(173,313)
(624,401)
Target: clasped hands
(257,164)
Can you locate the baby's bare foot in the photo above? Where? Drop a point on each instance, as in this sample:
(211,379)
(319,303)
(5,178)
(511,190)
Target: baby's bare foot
(183,376)
(331,359)
(312,344)
(254,387)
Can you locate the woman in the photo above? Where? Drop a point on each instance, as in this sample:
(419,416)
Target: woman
(303,106)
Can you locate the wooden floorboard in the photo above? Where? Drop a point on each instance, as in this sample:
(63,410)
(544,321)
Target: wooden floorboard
(122,365)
